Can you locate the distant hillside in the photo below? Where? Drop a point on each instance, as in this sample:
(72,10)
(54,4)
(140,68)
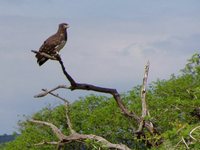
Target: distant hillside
(6,138)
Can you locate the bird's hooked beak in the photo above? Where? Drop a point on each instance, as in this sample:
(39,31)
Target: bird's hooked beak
(66,26)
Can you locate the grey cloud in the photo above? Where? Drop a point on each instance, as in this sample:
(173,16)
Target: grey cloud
(174,45)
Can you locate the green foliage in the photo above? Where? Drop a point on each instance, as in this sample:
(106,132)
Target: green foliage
(32,133)
(101,116)
(171,104)
(193,65)
(2,146)
(94,145)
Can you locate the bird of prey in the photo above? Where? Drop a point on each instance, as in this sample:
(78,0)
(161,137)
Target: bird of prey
(53,44)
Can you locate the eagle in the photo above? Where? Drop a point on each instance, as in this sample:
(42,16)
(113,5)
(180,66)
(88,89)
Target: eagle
(53,44)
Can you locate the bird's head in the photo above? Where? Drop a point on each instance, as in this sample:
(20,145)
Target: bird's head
(63,25)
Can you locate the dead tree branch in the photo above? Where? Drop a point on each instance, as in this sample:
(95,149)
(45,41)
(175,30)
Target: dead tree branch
(55,130)
(46,143)
(72,131)
(145,111)
(75,137)
(143,91)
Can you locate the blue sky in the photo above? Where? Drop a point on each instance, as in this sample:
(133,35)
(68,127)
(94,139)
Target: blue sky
(109,44)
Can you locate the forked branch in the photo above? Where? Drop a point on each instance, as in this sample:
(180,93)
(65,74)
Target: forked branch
(55,130)
(76,137)
(73,136)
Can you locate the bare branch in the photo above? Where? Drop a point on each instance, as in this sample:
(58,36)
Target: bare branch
(78,137)
(45,142)
(141,126)
(182,140)
(64,100)
(185,143)
(47,92)
(143,99)
(57,96)
(71,80)
(180,129)
(190,134)
(178,143)
(143,91)
(56,131)
(72,131)
(55,57)
(81,137)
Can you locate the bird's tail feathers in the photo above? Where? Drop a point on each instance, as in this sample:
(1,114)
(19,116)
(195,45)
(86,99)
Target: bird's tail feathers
(40,59)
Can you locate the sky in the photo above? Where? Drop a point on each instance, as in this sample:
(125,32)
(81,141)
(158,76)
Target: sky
(109,42)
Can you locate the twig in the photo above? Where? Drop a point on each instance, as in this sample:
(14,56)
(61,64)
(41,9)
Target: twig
(182,140)
(178,143)
(55,130)
(47,92)
(190,134)
(55,57)
(72,131)
(45,142)
(66,102)
(56,95)
(140,127)
(185,143)
(180,129)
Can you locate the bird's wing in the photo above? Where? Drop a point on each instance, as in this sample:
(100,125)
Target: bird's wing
(49,47)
